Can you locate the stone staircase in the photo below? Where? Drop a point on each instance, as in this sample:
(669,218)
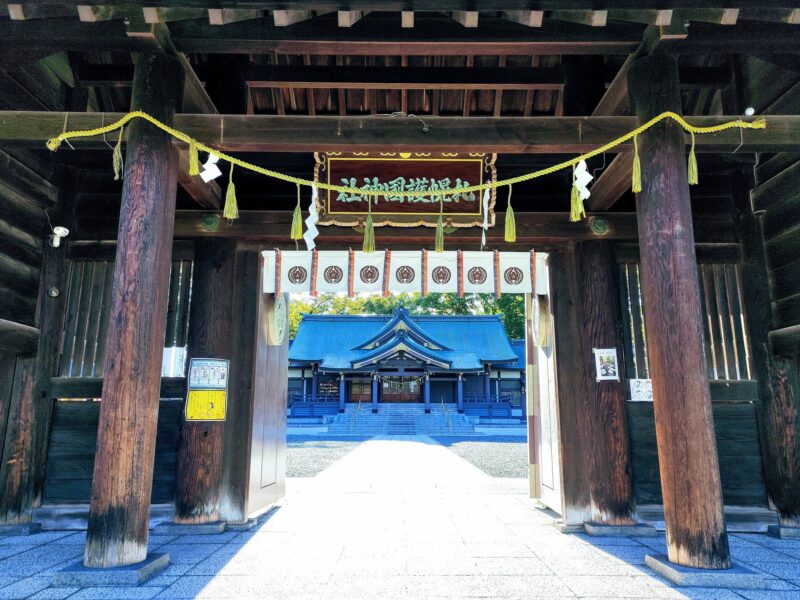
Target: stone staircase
(401,419)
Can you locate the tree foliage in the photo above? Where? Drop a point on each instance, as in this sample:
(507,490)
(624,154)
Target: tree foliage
(511,307)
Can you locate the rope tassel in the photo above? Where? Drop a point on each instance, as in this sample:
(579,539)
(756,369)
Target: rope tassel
(636,182)
(297,219)
(438,243)
(691,167)
(369,231)
(231,210)
(194,159)
(576,210)
(511,222)
(116,157)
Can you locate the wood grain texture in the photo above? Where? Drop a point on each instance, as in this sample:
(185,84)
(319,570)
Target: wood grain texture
(574,444)
(609,460)
(199,474)
(690,479)
(778,388)
(120,504)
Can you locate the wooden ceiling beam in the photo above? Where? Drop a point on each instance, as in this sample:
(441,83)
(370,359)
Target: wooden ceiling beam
(661,18)
(17,337)
(348,18)
(593,18)
(157,14)
(529,18)
(88,13)
(224,16)
(405,78)
(434,5)
(776,15)
(513,135)
(716,16)
(273,228)
(429,37)
(465,18)
(285,18)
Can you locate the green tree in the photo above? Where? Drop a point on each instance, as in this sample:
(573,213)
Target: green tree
(511,307)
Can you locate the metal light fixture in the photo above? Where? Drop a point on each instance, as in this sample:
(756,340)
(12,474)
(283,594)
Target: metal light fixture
(58,233)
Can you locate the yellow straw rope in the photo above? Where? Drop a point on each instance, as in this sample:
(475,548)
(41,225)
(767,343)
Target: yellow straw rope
(54,143)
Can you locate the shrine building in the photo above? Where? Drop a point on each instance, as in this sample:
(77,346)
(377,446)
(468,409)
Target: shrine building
(466,362)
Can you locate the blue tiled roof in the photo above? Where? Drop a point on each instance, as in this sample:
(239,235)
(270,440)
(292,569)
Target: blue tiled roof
(333,341)
(519,349)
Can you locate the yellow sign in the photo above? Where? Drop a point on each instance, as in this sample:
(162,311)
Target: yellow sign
(206,405)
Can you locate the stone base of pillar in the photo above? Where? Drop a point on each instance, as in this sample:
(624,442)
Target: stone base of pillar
(779,531)
(427,411)
(737,577)
(374,411)
(341,410)
(77,575)
(172,528)
(246,526)
(634,530)
(20,529)
(567,528)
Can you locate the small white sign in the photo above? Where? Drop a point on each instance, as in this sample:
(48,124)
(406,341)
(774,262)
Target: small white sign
(641,390)
(208,374)
(605,364)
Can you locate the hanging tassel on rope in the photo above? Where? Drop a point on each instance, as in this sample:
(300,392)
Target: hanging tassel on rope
(576,210)
(439,241)
(691,167)
(485,226)
(636,178)
(511,222)
(116,157)
(231,210)
(297,219)
(369,230)
(194,159)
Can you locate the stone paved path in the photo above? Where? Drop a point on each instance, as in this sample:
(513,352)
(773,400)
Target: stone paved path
(396,518)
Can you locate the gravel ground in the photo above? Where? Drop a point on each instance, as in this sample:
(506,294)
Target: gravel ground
(497,455)
(308,456)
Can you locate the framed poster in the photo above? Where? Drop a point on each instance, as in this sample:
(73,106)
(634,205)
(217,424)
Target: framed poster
(605,364)
(398,172)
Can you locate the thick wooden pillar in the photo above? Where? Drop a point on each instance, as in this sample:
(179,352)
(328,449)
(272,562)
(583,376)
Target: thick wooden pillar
(532,410)
(341,392)
(573,443)
(687,453)
(199,471)
(779,388)
(426,390)
(460,393)
(126,436)
(611,486)
(374,393)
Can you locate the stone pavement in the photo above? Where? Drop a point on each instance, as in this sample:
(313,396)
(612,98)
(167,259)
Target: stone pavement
(397,518)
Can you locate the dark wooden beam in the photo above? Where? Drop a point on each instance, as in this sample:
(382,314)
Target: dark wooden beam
(687,453)
(429,37)
(512,135)
(404,78)
(17,337)
(436,5)
(272,228)
(123,469)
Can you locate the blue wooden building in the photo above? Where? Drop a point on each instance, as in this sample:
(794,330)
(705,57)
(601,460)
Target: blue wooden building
(464,360)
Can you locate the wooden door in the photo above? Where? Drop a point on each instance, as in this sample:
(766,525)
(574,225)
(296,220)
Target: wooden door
(267,481)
